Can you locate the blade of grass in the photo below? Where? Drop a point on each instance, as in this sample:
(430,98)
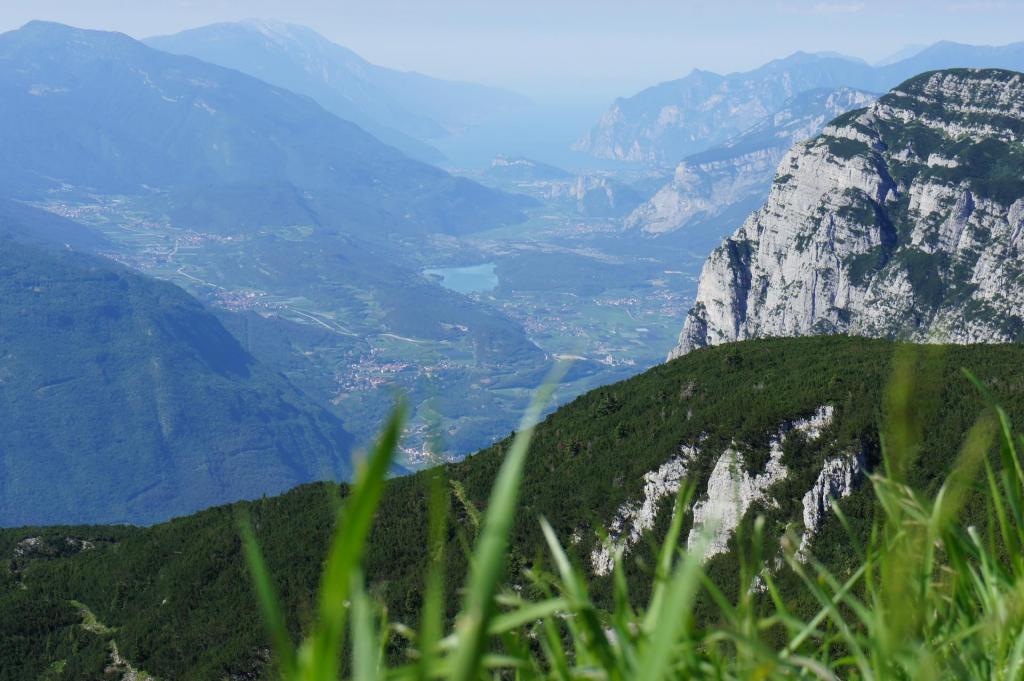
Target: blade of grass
(492,545)
(527,613)
(673,616)
(667,556)
(364,644)
(319,657)
(432,614)
(591,633)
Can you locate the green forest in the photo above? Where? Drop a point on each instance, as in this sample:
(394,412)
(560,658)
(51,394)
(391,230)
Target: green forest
(177,598)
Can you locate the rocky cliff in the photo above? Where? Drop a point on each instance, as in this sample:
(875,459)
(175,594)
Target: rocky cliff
(706,184)
(902,220)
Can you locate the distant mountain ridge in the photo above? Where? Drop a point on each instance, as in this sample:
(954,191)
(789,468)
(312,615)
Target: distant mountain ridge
(740,170)
(671,120)
(903,220)
(123,400)
(402,108)
(272,199)
(106,113)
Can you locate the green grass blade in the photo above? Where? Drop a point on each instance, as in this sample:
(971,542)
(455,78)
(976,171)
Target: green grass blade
(656,661)
(526,614)
(320,659)
(365,646)
(492,545)
(590,632)
(667,556)
(432,614)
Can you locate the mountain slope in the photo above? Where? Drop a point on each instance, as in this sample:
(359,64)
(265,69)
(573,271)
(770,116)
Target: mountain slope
(123,400)
(397,107)
(666,122)
(903,220)
(102,111)
(611,459)
(675,119)
(241,191)
(947,54)
(741,169)
(26,224)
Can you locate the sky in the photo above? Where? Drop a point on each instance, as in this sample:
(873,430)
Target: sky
(590,48)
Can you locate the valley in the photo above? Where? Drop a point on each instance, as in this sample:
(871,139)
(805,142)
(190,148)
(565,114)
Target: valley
(573,287)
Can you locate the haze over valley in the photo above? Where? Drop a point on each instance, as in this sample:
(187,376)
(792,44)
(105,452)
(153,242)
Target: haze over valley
(302,259)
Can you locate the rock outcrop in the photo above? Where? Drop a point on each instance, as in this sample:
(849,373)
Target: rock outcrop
(902,220)
(519,169)
(731,490)
(593,195)
(741,169)
(632,520)
(838,478)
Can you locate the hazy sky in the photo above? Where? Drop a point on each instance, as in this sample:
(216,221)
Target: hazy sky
(597,47)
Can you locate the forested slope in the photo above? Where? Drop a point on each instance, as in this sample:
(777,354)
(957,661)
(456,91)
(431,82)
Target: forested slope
(178,594)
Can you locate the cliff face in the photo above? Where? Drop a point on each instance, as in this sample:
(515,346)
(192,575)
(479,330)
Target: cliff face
(732,489)
(741,169)
(903,220)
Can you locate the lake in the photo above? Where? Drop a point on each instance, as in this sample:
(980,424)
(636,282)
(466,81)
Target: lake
(474,279)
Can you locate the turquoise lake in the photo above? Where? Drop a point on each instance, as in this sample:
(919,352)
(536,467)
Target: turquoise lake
(474,279)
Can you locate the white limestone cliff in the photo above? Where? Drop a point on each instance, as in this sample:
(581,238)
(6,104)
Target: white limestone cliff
(633,519)
(901,221)
(731,490)
(838,478)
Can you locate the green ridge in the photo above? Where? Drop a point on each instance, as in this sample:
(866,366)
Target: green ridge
(172,589)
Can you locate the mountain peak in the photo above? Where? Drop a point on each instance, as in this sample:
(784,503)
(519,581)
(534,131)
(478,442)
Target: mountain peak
(280,30)
(53,30)
(905,220)
(52,27)
(801,57)
(404,109)
(50,37)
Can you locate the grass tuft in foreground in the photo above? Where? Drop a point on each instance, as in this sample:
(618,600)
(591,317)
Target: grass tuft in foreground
(930,599)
